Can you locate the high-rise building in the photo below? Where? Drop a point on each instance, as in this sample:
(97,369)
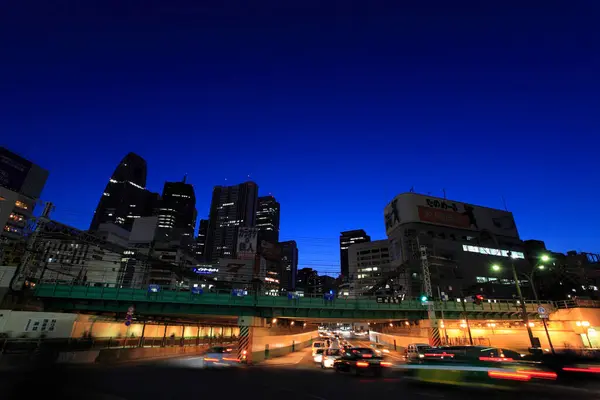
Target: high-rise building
(200,248)
(231,207)
(346,239)
(21,184)
(177,213)
(289,258)
(267,219)
(125,197)
(368,263)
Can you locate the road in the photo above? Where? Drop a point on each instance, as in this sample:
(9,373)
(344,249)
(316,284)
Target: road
(293,377)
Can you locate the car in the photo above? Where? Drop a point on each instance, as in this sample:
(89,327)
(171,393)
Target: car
(319,344)
(361,360)
(219,357)
(329,357)
(416,351)
(379,348)
(318,355)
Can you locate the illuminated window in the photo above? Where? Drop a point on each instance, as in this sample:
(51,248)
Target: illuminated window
(22,205)
(493,252)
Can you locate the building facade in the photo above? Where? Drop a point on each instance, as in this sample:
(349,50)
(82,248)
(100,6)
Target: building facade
(125,197)
(369,263)
(21,184)
(200,246)
(289,258)
(177,213)
(462,241)
(267,219)
(232,208)
(346,239)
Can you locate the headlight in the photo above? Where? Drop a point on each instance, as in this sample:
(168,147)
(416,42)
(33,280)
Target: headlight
(421,356)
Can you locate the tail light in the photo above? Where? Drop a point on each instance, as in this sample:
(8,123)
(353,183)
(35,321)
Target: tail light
(386,364)
(367,356)
(538,374)
(362,364)
(495,359)
(230,359)
(211,359)
(576,369)
(512,376)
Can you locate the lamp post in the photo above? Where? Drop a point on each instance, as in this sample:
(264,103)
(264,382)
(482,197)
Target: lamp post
(530,276)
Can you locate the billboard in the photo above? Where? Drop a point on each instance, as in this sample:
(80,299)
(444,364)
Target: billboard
(13,170)
(413,207)
(246,243)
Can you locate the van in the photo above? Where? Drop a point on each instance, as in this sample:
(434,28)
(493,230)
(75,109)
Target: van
(319,344)
(415,351)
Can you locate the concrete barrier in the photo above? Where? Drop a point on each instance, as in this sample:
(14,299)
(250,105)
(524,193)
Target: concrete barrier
(266,345)
(78,357)
(110,356)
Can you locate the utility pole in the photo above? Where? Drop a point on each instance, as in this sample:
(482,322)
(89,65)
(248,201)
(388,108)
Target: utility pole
(435,338)
(24,270)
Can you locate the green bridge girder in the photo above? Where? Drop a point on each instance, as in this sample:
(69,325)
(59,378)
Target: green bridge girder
(179,303)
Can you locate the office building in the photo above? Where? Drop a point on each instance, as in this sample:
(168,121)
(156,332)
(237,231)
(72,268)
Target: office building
(462,241)
(307,281)
(232,208)
(369,263)
(289,258)
(267,219)
(177,213)
(21,184)
(125,197)
(200,246)
(346,239)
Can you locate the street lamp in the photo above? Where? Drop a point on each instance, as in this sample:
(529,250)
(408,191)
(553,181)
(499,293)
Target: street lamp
(530,276)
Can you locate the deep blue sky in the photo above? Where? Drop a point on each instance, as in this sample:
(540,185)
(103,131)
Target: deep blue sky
(332,109)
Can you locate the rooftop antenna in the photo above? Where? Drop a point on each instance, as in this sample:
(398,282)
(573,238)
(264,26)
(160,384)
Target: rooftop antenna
(184,178)
(412,189)
(504,202)
(444,190)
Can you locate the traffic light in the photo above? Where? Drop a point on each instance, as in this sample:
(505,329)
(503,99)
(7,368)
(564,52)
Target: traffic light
(424,298)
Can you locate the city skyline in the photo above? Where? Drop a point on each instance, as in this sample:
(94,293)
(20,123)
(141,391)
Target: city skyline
(415,99)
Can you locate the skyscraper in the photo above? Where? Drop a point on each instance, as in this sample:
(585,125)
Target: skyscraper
(346,239)
(231,207)
(267,219)
(200,249)
(125,197)
(289,257)
(177,212)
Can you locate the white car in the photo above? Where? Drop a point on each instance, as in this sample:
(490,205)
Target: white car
(319,344)
(329,357)
(318,356)
(219,357)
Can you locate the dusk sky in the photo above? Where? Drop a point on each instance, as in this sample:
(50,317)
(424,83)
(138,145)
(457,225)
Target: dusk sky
(332,109)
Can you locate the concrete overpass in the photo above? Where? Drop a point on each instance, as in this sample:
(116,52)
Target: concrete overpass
(222,303)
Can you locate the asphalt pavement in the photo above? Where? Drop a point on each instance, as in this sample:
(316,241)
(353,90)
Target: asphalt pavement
(293,377)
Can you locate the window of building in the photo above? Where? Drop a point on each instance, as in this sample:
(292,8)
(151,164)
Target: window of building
(21,205)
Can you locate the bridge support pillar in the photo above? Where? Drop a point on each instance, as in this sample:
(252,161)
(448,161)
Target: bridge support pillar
(247,325)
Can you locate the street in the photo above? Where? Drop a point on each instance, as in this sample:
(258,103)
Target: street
(294,376)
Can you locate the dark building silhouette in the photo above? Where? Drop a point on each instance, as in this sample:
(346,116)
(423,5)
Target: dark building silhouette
(231,207)
(200,248)
(267,219)
(125,197)
(177,213)
(308,280)
(289,258)
(346,239)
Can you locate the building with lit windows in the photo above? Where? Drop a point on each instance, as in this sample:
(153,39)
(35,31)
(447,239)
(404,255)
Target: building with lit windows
(463,241)
(231,208)
(177,213)
(21,184)
(368,263)
(346,239)
(200,245)
(125,197)
(267,219)
(289,258)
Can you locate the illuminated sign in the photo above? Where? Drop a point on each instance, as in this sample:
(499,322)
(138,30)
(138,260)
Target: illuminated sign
(205,270)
